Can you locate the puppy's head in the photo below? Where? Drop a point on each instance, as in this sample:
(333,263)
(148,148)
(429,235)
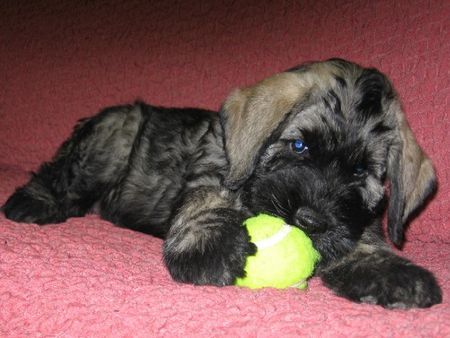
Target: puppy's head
(315,144)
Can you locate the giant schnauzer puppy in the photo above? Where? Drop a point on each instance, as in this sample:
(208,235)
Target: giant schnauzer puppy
(313,145)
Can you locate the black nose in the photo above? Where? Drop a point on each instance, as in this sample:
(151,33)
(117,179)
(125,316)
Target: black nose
(309,220)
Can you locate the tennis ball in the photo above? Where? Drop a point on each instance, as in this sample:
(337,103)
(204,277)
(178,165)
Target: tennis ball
(285,256)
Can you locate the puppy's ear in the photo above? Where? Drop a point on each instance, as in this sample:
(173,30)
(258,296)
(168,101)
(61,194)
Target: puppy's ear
(250,115)
(411,174)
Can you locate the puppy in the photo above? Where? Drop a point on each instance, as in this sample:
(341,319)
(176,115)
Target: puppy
(313,145)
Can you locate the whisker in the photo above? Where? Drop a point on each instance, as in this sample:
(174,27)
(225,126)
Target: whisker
(278,206)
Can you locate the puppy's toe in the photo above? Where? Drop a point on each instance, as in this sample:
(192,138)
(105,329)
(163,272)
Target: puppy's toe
(403,286)
(385,279)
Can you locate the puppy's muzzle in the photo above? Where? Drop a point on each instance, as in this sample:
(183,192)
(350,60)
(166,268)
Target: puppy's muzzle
(309,220)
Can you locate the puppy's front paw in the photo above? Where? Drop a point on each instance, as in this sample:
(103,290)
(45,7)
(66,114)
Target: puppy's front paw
(401,286)
(214,253)
(390,282)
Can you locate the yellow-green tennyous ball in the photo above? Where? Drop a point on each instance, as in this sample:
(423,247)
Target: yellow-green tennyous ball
(285,256)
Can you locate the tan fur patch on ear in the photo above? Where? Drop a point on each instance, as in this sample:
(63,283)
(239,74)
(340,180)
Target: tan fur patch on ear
(251,114)
(411,174)
(417,169)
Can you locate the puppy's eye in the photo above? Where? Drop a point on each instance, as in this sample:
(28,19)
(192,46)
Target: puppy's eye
(299,147)
(360,170)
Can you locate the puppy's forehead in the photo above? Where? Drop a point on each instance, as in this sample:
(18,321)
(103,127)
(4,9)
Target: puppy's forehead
(270,100)
(319,124)
(347,97)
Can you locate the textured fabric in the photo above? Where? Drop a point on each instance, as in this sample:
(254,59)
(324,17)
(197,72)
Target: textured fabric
(63,60)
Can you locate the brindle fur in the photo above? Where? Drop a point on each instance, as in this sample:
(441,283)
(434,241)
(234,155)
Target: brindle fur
(192,176)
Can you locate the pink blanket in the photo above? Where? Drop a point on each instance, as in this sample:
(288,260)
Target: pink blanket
(88,278)
(62,60)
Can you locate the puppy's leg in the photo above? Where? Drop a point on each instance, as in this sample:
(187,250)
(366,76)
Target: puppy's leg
(376,275)
(82,168)
(52,195)
(45,198)
(207,243)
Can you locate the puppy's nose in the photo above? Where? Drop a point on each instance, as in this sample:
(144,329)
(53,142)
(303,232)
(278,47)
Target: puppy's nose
(309,220)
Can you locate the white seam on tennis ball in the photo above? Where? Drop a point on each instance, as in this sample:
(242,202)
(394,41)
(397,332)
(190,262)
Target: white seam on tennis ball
(274,239)
(298,284)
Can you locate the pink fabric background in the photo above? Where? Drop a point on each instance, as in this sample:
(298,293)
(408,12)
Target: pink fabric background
(62,60)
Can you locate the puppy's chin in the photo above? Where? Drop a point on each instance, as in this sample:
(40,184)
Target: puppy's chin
(334,218)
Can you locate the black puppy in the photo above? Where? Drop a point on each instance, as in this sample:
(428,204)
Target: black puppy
(313,145)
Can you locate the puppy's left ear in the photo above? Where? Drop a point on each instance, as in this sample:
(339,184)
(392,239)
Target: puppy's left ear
(250,115)
(411,174)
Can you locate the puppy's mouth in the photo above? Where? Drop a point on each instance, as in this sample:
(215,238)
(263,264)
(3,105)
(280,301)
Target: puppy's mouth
(331,218)
(332,237)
